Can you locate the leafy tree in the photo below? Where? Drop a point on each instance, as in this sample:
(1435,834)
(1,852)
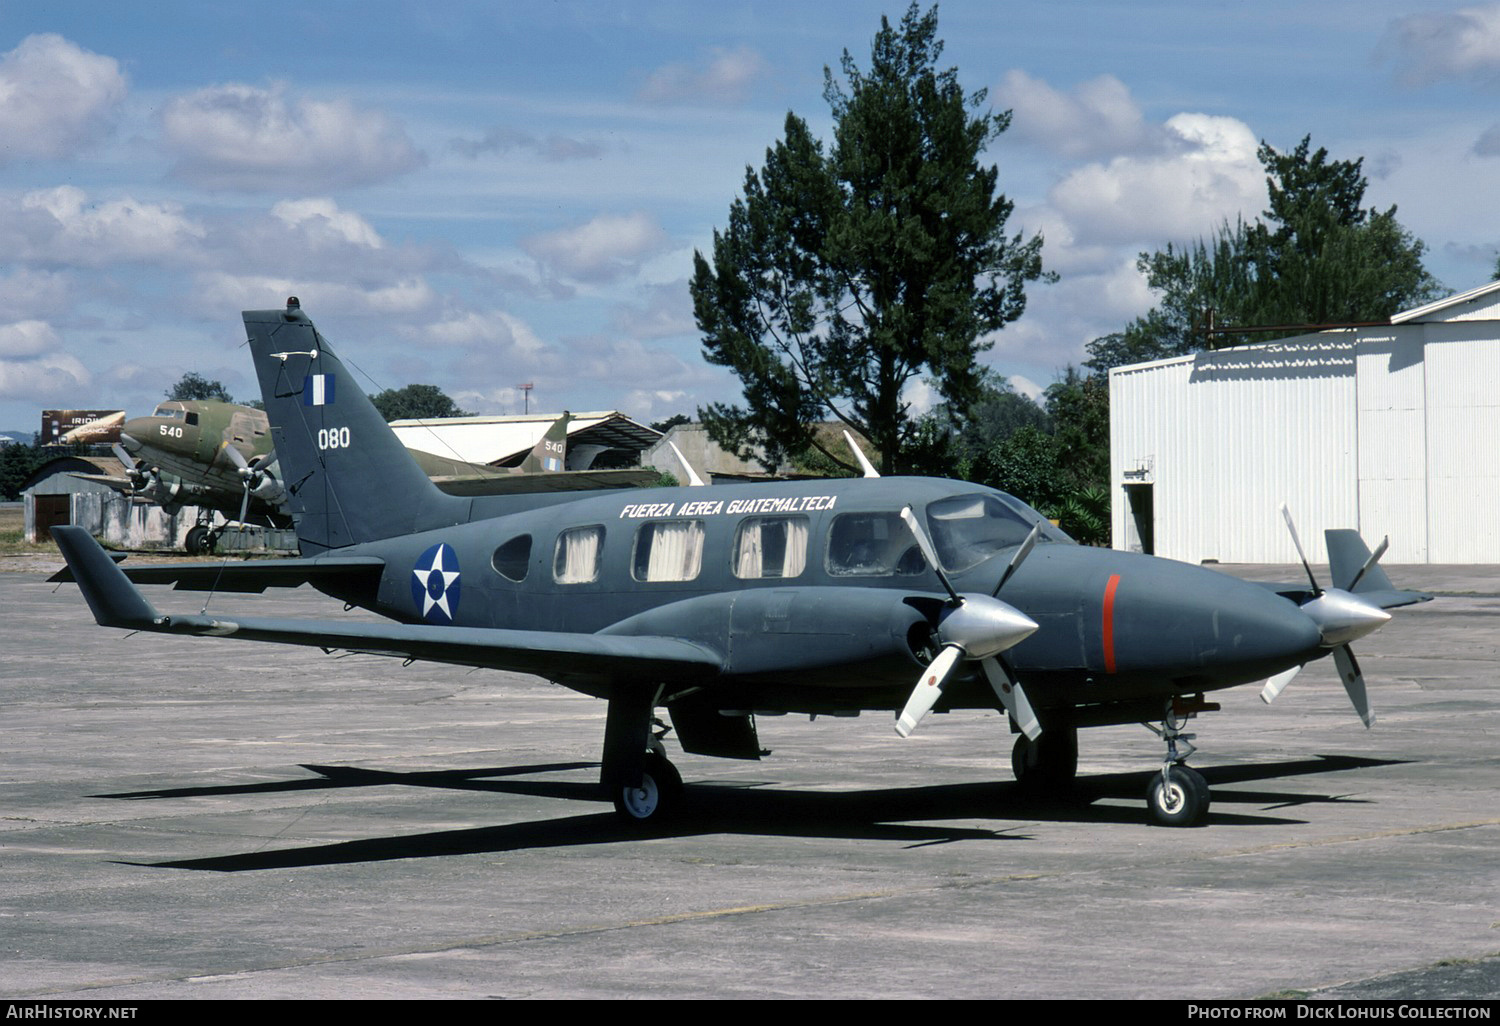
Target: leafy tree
(416,402)
(1316,257)
(667,425)
(843,275)
(193,385)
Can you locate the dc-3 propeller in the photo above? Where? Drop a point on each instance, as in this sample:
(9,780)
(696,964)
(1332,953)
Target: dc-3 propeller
(973,627)
(143,478)
(1341,617)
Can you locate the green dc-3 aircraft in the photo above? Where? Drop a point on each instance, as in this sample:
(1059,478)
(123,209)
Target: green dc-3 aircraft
(819,597)
(218,456)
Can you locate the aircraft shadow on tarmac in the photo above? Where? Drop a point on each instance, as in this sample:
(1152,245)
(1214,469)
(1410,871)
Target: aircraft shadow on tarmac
(907,814)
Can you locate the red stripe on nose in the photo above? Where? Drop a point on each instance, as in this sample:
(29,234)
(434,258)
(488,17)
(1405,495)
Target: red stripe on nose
(1109,622)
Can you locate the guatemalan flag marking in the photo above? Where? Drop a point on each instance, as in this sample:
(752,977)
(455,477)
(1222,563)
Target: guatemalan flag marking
(317,390)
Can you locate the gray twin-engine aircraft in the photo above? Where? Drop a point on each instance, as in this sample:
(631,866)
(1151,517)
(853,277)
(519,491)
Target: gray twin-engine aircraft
(830,596)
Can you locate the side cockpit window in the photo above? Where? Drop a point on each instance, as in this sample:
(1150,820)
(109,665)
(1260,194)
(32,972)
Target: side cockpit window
(967,529)
(576,558)
(668,550)
(873,545)
(770,547)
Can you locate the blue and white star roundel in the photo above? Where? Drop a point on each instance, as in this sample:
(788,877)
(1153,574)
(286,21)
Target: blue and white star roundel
(434,584)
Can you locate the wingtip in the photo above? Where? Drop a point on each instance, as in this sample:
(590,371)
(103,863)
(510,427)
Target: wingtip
(114,601)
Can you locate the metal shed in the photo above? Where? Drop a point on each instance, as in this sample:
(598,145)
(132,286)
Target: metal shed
(1392,430)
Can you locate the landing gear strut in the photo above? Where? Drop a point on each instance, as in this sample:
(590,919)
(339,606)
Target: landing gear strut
(636,774)
(1050,763)
(1177,796)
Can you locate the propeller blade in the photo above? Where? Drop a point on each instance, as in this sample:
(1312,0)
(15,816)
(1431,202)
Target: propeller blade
(1008,690)
(928,553)
(1354,683)
(236,457)
(1277,684)
(127,460)
(245,502)
(1020,557)
(1287,515)
(928,690)
(1385,543)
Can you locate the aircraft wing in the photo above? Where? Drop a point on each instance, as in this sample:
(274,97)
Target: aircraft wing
(119,484)
(254,576)
(585,661)
(1385,598)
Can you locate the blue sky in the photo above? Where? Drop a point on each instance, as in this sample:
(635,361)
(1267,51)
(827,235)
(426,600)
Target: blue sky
(477,195)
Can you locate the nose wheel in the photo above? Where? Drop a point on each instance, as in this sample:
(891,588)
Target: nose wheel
(1177,796)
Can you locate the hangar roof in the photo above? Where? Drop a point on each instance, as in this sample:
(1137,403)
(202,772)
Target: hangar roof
(495,440)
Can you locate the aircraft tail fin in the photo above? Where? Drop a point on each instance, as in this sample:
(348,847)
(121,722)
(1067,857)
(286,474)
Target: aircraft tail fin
(550,454)
(1352,568)
(113,600)
(348,477)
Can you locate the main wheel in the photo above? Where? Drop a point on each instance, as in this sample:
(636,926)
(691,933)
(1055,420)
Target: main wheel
(1050,763)
(658,796)
(199,541)
(1181,799)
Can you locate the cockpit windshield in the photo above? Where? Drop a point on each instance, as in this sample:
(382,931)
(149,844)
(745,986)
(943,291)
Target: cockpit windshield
(966,529)
(175,412)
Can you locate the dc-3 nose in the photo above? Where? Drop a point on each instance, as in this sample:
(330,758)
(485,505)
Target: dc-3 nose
(128,435)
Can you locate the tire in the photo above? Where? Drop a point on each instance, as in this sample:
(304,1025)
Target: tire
(1181,800)
(658,797)
(1048,764)
(197,543)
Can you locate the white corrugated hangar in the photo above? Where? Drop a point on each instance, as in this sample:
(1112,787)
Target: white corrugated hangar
(1392,430)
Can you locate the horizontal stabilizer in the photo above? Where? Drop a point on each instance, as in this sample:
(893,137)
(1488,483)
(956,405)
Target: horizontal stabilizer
(1348,555)
(253,576)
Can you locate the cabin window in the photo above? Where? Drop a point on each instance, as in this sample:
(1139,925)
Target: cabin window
(967,529)
(192,418)
(873,545)
(770,547)
(668,550)
(513,559)
(576,560)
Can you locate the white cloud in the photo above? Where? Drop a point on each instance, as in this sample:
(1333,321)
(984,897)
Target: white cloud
(1098,117)
(216,291)
(492,330)
(1209,173)
(52,377)
(55,97)
(31,293)
(62,225)
(501,140)
(322,220)
(28,338)
(603,249)
(237,136)
(1462,43)
(724,77)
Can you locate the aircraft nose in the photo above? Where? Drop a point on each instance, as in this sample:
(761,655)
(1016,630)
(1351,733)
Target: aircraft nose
(127,436)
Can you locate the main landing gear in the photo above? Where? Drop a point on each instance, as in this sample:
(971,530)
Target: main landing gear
(1177,796)
(1048,764)
(636,775)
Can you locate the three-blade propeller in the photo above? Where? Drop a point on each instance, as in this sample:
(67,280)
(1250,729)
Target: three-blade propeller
(976,627)
(1341,617)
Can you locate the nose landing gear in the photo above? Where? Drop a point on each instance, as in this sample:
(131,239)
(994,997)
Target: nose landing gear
(1178,795)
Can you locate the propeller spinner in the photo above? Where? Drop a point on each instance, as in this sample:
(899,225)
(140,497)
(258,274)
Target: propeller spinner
(1341,617)
(976,627)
